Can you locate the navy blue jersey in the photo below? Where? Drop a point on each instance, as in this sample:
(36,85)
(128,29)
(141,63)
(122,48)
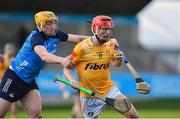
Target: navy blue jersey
(27,64)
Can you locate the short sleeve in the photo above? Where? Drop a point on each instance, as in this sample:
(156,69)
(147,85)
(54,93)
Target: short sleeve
(37,39)
(77,53)
(63,36)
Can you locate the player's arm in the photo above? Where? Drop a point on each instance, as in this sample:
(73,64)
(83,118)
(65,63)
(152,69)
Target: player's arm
(74,56)
(46,56)
(70,37)
(68,74)
(76,38)
(67,71)
(37,43)
(51,58)
(117,59)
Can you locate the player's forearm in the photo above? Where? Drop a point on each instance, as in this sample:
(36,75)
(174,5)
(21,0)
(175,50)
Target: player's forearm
(68,74)
(51,58)
(46,56)
(81,38)
(76,38)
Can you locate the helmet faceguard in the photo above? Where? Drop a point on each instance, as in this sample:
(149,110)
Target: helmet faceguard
(104,23)
(42,17)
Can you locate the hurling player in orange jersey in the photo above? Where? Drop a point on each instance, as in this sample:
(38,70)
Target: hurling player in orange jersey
(92,58)
(5,60)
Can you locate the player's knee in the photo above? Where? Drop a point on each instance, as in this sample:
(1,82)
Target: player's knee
(123,105)
(35,113)
(133,115)
(3,112)
(2,115)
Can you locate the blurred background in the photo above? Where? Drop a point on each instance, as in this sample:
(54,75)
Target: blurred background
(148,32)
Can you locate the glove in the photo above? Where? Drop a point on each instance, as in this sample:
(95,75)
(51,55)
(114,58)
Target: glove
(118,55)
(143,87)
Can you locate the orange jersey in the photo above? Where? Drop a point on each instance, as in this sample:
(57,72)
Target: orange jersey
(4,66)
(92,64)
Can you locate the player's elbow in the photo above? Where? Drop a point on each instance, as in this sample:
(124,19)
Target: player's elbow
(44,57)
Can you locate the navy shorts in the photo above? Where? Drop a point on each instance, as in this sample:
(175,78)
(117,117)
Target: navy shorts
(12,88)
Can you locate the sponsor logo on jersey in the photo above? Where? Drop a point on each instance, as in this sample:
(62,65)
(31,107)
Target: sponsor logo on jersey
(96,66)
(100,54)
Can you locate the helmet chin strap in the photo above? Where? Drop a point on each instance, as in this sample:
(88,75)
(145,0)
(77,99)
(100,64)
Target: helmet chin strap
(100,40)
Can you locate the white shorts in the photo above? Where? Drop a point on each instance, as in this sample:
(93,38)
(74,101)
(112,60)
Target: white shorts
(92,107)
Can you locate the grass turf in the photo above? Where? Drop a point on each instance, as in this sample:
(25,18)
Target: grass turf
(146,109)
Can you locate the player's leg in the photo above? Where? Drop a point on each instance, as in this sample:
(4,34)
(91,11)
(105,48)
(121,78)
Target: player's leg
(32,104)
(4,107)
(6,92)
(12,88)
(13,110)
(76,109)
(64,90)
(126,106)
(131,111)
(91,107)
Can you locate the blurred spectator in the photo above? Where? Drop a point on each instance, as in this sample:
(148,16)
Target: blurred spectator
(22,34)
(5,59)
(7,56)
(76,108)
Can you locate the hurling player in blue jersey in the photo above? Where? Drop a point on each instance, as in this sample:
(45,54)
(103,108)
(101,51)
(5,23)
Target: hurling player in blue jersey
(18,82)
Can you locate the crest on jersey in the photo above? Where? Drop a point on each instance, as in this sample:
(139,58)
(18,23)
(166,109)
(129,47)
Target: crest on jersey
(54,45)
(108,52)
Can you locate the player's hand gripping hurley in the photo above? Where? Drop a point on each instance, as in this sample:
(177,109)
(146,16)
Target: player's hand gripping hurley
(122,106)
(142,87)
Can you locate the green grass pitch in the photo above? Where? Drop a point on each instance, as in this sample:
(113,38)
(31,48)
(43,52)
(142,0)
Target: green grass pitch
(146,109)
